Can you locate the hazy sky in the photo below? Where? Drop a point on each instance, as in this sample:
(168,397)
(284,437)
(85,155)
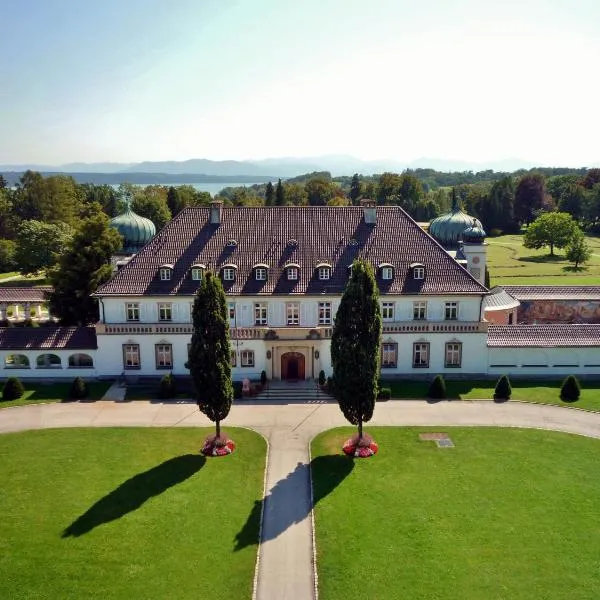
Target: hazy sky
(132,80)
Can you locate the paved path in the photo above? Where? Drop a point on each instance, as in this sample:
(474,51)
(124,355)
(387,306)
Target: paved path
(286,569)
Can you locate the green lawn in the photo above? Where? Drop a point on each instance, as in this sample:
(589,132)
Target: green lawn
(7,275)
(31,281)
(512,264)
(544,392)
(37,393)
(507,514)
(127,513)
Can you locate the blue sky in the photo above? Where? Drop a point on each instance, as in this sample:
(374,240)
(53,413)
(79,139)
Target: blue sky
(132,80)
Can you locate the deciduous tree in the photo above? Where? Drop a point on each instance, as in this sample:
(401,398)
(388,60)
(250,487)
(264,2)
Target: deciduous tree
(555,229)
(355,346)
(578,250)
(82,269)
(210,351)
(39,245)
(529,197)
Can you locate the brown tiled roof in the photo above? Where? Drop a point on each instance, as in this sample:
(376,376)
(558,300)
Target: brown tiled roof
(554,292)
(499,299)
(554,334)
(336,235)
(51,337)
(24,294)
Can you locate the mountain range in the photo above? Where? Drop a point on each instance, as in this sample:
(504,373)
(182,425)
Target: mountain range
(276,167)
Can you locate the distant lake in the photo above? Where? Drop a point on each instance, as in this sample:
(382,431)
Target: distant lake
(212,188)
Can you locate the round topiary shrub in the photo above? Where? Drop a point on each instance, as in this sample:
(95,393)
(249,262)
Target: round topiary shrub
(437,389)
(322,379)
(167,388)
(263,378)
(13,389)
(79,389)
(503,389)
(570,389)
(385,393)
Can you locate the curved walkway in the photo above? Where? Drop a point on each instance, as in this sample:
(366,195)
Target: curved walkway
(286,569)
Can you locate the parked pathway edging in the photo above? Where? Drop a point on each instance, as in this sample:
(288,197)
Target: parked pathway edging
(286,556)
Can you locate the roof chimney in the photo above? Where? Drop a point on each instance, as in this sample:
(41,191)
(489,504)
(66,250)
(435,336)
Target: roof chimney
(370,210)
(216,210)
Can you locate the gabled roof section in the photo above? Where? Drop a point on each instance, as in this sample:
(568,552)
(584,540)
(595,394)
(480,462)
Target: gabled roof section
(24,294)
(337,235)
(49,337)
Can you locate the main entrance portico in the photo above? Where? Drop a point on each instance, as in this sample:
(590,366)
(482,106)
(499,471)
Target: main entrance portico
(293,366)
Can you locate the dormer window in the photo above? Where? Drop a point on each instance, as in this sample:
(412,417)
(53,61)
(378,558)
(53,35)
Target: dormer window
(418,270)
(324,271)
(261,271)
(229,272)
(197,271)
(165,272)
(293,271)
(386,270)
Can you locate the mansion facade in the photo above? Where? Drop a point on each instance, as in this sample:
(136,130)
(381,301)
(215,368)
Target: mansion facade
(284,270)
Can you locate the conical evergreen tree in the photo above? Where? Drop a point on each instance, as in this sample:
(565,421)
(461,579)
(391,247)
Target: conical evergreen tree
(355,346)
(210,353)
(269,195)
(354,189)
(279,194)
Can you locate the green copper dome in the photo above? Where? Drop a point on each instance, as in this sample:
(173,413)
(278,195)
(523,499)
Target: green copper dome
(474,234)
(449,228)
(136,231)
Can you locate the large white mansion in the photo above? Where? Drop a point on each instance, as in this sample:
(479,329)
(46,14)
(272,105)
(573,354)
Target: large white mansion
(284,270)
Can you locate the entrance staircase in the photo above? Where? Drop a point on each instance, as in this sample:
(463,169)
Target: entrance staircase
(293,392)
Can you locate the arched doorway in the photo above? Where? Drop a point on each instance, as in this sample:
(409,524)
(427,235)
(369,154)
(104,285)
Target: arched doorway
(292,365)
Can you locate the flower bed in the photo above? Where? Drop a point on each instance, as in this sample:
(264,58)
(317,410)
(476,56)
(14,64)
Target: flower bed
(217,446)
(360,447)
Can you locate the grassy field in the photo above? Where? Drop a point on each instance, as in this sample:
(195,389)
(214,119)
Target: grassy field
(36,393)
(544,392)
(7,275)
(127,513)
(31,281)
(505,514)
(512,264)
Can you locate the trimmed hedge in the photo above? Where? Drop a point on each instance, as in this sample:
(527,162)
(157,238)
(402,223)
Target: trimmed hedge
(167,387)
(79,389)
(570,389)
(503,389)
(437,389)
(385,393)
(13,389)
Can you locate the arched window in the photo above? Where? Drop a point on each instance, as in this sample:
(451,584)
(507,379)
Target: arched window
(80,361)
(16,361)
(48,361)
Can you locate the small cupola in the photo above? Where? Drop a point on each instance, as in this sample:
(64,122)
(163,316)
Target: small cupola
(386,271)
(417,270)
(369,210)
(216,212)
(474,234)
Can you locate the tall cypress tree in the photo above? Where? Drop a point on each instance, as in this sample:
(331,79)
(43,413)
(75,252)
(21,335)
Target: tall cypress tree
(279,194)
(355,346)
(354,194)
(209,358)
(269,195)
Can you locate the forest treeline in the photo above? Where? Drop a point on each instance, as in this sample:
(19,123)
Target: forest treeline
(39,215)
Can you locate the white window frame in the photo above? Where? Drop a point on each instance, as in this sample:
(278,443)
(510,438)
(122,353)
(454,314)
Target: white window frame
(453,355)
(165,273)
(132,311)
(389,355)
(420,310)
(247,358)
(165,312)
(324,273)
(292,273)
(387,273)
(260,273)
(197,273)
(131,356)
(419,273)
(451,311)
(260,313)
(420,355)
(325,315)
(292,313)
(228,274)
(164,356)
(388,310)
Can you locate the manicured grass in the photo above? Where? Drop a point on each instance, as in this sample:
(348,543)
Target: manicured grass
(31,281)
(9,274)
(505,514)
(37,393)
(127,513)
(512,264)
(544,392)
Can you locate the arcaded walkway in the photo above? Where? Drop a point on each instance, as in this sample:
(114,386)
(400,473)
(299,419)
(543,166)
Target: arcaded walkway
(286,569)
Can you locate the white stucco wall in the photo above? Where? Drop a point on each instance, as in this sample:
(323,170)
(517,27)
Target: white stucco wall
(62,371)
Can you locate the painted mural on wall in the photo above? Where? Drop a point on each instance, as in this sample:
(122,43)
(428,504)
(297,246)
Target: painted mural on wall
(559,311)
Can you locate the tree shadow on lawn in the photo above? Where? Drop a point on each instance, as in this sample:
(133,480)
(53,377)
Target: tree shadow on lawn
(289,503)
(131,494)
(543,258)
